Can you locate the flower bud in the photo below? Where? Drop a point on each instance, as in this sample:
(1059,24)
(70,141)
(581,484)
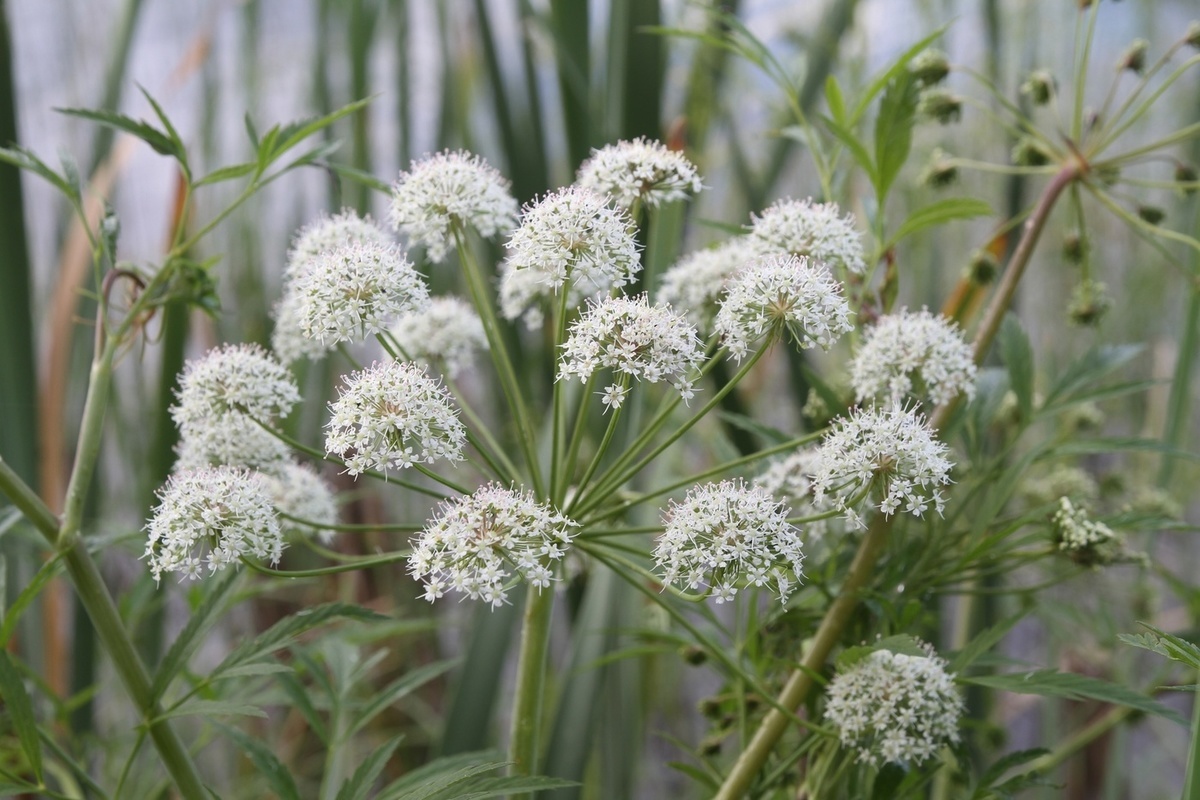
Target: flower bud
(930,66)
(1186,174)
(1152,214)
(1073,247)
(1192,37)
(1134,57)
(1030,153)
(940,171)
(1040,86)
(983,267)
(940,105)
(1089,303)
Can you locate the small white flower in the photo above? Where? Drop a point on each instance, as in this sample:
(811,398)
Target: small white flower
(447,189)
(288,341)
(393,415)
(444,334)
(614,396)
(232,440)
(331,233)
(482,543)
(909,353)
(355,291)
(789,479)
(298,491)
(1085,540)
(813,230)
(696,283)
(643,170)
(727,535)
(777,293)
(631,337)
(895,708)
(885,458)
(213,516)
(571,237)
(234,379)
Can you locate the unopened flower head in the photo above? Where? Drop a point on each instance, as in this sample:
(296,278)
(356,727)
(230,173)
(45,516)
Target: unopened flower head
(727,535)
(790,480)
(913,353)
(355,291)
(233,379)
(886,458)
(298,491)
(451,188)
(782,292)
(331,233)
(481,544)
(696,283)
(213,518)
(1085,540)
(643,170)
(288,342)
(234,440)
(571,237)
(895,708)
(631,337)
(817,231)
(393,415)
(444,334)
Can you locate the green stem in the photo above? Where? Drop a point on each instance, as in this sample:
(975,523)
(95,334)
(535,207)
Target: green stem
(557,481)
(604,443)
(449,484)
(508,377)
(1081,739)
(570,462)
(531,681)
(487,446)
(27,500)
(1191,780)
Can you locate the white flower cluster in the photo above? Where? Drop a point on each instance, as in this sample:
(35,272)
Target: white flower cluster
(326,234)
(477,543)
(393,415)
(220,396)
(447,189)
(642,170)
(573,237)
(913,353)
(631,337)
(887,458)
(298,491)
(727,535)
(813,230)
(778,292)
(356,290)
(789,479)
(697,282)
(895,708)
(1086,540)
(445,334)
(212,517)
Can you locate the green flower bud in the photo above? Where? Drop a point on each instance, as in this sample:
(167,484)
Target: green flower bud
(930,66)
(1134,57)
(1152,214)
(940,105)
(983,268)
(1040,86)
(1030,153)
(940,172)
(1089,303)
(1073,247)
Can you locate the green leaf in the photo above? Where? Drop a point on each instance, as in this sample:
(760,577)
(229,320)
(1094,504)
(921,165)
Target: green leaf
(47,571)
(290,135)
(20,710)
(1017,354)
(506,785)
(271,768)
(159,141)
(893,130)
(426,781)
(857,149)
(1095,364)
(398,689)
(359,785)
(1165,644)
(232,172)
(985,641)
(298,694)
(835,101)
(361,177)
(1008,762)
(284,632)
(1050,683)
(902,644)
(192,635)
(25,159)
(172,134)
(886,76)
(213,708)
(939,212)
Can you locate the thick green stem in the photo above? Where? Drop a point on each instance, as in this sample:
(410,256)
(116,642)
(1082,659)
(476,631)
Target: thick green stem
(87,451)
(531,681)
(1191,779)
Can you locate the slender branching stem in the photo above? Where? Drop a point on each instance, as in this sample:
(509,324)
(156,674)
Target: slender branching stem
(525,739)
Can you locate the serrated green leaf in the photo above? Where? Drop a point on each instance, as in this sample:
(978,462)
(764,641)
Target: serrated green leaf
(172,134)
(232,172)
(284,632)
(359,785)
(1165,644)
(292,134)
(434,786)
(25,159)
(1017,354)
(1051,683)
(506,785)
(213,708)
(893,130)
(398,689)
(192,635)
(20,711)
(269,766)
(13,613)
(159,141)
(939,212)
(442,771)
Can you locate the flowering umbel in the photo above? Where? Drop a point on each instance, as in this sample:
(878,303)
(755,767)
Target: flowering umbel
(696,283)
(782,293)
(895,708)
(885,458)
(213,518)
(451,188)
(640,170)
(444,334)
(816,231)
(482,543)
(393,415)
(299,492)
(913,353)
(727,535)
